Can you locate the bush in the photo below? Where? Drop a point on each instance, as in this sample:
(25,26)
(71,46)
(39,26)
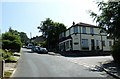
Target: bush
(6,54)
(16,45)
(116,52)
(11,41)
(12,45)
(6,44)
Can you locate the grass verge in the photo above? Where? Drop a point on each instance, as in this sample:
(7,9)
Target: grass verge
(8,73)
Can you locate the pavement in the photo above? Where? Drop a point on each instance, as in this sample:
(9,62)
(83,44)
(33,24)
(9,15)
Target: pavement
(11,66)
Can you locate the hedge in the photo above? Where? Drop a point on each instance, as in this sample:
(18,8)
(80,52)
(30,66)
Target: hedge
(14,46)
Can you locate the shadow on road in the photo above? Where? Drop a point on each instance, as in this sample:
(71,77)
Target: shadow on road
(112,67)
(81,55)
(84,53)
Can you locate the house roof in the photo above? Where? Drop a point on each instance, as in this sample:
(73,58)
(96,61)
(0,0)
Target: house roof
(82,24)
(85,24)
(39,39)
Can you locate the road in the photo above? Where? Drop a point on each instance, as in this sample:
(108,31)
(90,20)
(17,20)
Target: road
(44,65)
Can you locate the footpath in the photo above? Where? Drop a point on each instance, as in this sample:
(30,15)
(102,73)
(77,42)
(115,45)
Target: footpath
(10,67)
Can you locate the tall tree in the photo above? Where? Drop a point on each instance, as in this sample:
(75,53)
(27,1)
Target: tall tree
(51,31)
(109,17)
(23,36)
(109,20)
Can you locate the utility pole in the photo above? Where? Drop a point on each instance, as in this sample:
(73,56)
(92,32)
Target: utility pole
(30,36)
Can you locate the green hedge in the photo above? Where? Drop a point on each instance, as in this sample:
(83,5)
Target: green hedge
(116,52)
(12,45)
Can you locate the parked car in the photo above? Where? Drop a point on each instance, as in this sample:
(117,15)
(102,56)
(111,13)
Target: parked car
(42,50)
(35,48)
(29,46)
(39,49)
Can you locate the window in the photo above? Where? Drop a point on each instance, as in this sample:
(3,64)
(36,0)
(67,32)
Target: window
(91,30)
(83,29)
(110,43)
(85,43)
(103,43)
(75,29)
(97,43)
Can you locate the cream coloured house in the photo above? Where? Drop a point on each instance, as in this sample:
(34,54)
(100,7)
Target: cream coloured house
(84,37)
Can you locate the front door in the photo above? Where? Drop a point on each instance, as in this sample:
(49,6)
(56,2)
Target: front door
(92,44)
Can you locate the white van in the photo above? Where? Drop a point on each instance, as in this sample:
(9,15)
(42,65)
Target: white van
(29,46)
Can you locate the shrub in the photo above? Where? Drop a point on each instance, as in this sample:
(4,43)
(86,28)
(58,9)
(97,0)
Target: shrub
(16,45)
(6,54)
(11,41)
(6,44)
(116,52)
(12,45)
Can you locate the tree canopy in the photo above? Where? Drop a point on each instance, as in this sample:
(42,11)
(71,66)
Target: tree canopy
(109,17)
(51,31)
(21,35)
(109,20)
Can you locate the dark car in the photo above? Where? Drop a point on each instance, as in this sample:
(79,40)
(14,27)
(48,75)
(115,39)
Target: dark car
(35,48)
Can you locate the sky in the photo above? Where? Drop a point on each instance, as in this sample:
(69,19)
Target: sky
(26,15)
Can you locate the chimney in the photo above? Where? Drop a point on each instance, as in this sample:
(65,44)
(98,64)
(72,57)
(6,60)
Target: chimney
(73,23)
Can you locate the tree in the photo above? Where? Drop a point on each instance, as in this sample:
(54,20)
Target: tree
(109,20)
(51,31)
(23,37)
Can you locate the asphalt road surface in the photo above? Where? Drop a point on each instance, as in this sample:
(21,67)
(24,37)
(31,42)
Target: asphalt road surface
(44,65)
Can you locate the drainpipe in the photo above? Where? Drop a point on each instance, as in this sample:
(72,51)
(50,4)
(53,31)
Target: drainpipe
(101,41)
(80,38)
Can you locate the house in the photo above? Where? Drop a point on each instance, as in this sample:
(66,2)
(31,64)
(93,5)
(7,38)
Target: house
(84,37)
(38,39)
